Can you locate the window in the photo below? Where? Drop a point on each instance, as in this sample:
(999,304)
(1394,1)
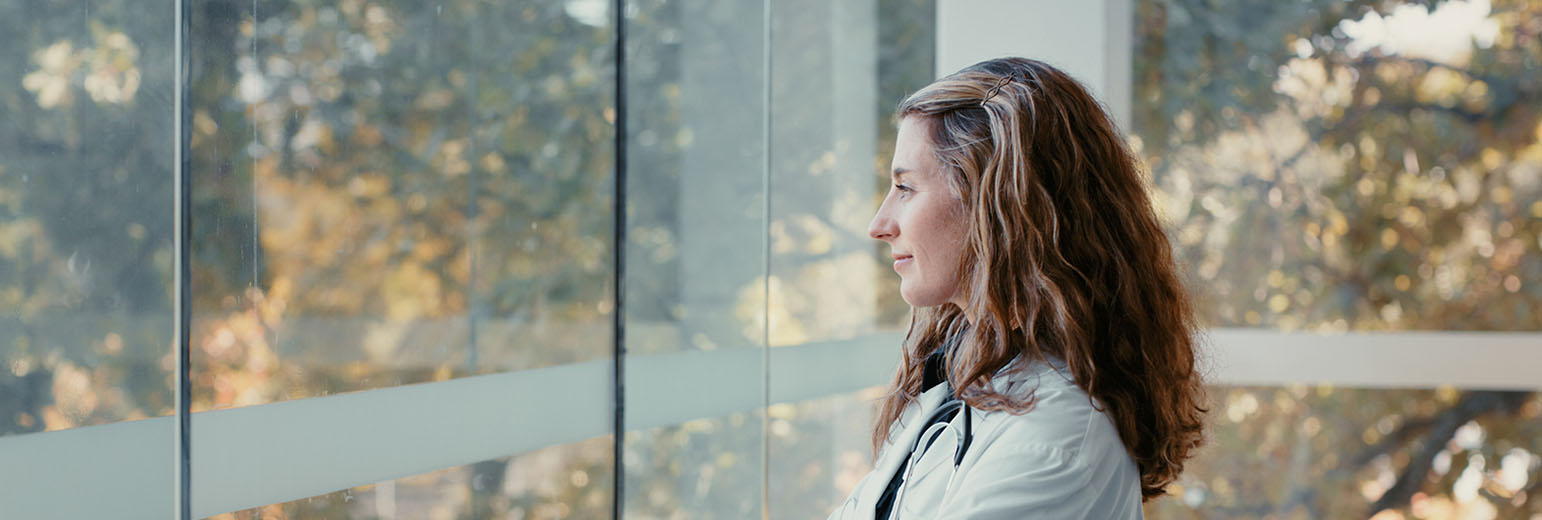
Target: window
(402,252)
(1357,186)
(403,249)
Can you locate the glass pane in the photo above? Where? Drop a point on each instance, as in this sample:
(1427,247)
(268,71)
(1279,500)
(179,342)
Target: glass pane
(704,468)
(397,193)
(1333,167)
(568,481)
(821,449)
(696,156)
(695,84)
(1324,452)
(86,176)
(839,70)
(87,149)
(392,193)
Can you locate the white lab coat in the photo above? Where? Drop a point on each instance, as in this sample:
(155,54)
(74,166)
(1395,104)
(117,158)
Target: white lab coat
(1062,460)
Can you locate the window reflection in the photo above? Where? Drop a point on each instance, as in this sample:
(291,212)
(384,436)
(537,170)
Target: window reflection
(696,266)
(394,192)
(820,451)
(696,171)
(85,215)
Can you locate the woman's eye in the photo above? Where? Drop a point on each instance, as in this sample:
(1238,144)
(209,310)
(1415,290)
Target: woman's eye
(904,189)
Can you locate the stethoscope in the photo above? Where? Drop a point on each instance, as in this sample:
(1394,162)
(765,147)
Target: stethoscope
(947,409)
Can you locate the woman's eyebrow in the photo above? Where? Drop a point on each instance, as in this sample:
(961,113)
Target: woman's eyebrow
(899,172)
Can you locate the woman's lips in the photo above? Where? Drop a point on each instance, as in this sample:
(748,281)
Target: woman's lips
(900,260)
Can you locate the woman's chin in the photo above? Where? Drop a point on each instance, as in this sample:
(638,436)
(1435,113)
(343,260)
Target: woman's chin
(920,298)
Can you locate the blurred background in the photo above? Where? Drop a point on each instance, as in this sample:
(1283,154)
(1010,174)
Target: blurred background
(403,254)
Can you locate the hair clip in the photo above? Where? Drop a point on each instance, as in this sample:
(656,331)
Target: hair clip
(995,89)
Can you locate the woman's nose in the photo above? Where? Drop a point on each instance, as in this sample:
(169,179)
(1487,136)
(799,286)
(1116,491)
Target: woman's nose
(882,227)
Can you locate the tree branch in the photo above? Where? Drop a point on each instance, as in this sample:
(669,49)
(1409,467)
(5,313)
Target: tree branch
(1471,406)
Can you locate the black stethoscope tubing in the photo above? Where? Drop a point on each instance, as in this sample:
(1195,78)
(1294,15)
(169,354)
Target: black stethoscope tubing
(952,406)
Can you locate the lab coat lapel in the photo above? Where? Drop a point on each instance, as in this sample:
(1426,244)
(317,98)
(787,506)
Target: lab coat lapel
(899,452)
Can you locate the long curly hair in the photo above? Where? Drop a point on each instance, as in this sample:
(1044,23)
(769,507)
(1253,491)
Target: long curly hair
(1064,257)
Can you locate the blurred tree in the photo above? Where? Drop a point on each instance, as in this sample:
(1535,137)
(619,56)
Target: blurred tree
(392,192)
(85,215)
(1337,166)
(398,188)
(365,174)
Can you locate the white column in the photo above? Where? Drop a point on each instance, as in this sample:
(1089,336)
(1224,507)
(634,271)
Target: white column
(1088,39)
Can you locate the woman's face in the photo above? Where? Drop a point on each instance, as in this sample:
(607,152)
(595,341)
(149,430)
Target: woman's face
(921,219)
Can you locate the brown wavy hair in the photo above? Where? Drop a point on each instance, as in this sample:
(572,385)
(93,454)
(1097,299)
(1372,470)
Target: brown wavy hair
(1064,257)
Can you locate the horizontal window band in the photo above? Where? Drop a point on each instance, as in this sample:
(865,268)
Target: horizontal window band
(258,455)
(118,470)
(1424,359)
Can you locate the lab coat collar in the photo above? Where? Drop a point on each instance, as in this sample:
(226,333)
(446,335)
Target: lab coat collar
(898,451)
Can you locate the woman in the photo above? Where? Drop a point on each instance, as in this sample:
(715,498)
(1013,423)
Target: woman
(1049,368)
